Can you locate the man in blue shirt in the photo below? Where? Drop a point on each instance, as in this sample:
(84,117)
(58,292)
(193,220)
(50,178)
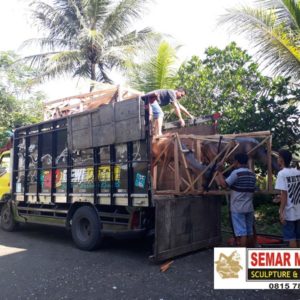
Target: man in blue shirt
(242,183)
(165,97)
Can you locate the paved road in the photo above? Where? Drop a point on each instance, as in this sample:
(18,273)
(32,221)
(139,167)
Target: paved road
(42,263)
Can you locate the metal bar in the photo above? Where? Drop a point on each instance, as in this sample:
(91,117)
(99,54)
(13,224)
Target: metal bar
(15,167)
(69,187)
(194,122)
(39,164)
(112,173)
(26,166)
(96,154)
(148,145)
(53,165)
(130,179)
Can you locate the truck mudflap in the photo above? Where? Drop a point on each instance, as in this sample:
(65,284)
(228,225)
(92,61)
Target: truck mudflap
(185,224)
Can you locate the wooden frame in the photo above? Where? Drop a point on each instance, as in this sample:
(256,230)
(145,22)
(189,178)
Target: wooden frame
(185,180)
(105,94)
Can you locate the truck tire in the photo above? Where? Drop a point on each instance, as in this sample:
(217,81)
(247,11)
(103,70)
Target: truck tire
(86,228)
(8,222)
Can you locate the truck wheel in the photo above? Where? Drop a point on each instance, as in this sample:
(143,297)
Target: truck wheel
(7,219)
(86,228)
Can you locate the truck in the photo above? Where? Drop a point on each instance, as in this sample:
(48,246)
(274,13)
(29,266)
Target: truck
(92,173)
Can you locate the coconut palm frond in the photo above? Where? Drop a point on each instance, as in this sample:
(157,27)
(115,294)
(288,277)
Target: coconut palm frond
(293,8)
(38,60)
(46,43)
(78,13)
(61,64)
(49,60)
(277,52)
(97,30)
(275,44)
(102,74)
(58,21)
(157,72)
(122,16)
(96,12)
(83,70)
(133,38)
(127,46)
(166,57)
(287,11)
(245,20)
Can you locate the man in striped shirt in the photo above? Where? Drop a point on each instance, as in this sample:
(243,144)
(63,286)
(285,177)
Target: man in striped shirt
(242,183)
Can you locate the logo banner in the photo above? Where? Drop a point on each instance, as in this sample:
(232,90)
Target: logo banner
(259,268)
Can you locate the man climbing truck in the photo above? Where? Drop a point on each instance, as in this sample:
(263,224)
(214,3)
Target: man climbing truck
(91,173)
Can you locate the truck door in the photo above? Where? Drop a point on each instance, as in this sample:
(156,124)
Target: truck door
(186,224)
(4,174)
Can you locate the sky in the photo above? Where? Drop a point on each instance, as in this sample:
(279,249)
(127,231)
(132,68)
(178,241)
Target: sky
(191,23)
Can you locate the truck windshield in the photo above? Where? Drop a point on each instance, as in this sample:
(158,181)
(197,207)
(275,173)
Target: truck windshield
(4,164)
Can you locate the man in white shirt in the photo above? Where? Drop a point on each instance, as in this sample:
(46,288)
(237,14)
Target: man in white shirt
(288,183)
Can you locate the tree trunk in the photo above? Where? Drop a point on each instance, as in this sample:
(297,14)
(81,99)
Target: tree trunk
(93,77)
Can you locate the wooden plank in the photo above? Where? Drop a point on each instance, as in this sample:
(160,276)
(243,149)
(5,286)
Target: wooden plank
(217,136)
(227,154)
(160,256)
(163,151)
(184,161)
(258,145)
(208,166)
(82,96)
(199,158)
(270,177)
(163,218)
(181,178)
(171,193)
(155,178)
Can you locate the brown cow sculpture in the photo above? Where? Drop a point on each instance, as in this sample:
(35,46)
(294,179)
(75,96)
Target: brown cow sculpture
(209,150)
(246,144)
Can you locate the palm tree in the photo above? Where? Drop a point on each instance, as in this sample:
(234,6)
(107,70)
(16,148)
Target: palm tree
(86,38)
(273,27)
(156,72)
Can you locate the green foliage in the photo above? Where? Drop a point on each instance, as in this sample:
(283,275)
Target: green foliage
(266,217)
(86,38)
(157,71)
(229,82)
(273,28)
(19,103)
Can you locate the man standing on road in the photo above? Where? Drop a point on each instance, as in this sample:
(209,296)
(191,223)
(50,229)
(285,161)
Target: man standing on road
(160,98)
(242,183)
(288,183)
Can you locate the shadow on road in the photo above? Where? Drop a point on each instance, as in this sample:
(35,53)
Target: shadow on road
(30,235)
